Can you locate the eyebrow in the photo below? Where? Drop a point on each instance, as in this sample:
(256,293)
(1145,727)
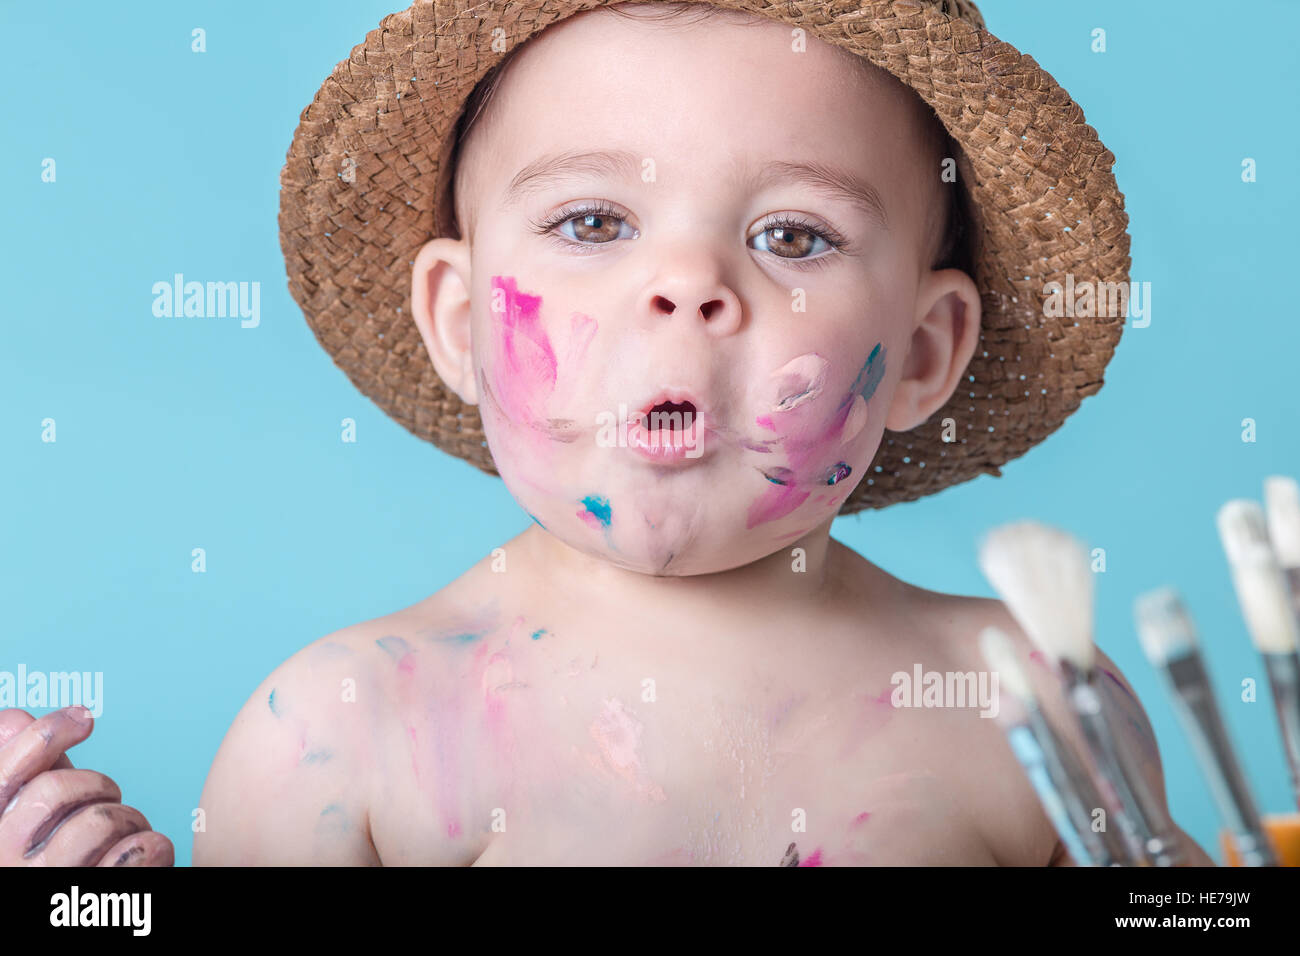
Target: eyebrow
(830,182)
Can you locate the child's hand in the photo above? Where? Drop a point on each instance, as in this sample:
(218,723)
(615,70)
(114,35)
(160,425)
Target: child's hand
(54,815)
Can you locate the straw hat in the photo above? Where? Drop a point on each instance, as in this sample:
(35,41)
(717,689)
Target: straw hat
(368,177)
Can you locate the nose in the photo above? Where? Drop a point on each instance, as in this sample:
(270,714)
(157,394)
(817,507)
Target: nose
(696,296)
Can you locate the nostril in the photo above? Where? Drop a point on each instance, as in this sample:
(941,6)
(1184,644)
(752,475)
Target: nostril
(708,308)
(663,305)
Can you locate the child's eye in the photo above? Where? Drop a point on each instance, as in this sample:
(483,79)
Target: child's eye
(794,239)
(591,225)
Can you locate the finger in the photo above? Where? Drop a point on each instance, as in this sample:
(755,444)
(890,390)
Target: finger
(43,803)
(13,720)
(38,746)
(83,838)
(141,849)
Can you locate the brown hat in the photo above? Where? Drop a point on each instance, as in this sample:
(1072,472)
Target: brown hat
(368,179)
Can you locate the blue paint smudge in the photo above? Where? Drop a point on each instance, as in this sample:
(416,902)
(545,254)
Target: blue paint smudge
(838,473)
(395,647)
(463,637)
(534,517)
(538,633)
(599,507)
(333,818)
(316,756)
(870,376)
(270,702)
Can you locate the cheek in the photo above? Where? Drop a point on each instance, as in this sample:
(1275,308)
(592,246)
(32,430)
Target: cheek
(524,365)
(530,362)
(812,425)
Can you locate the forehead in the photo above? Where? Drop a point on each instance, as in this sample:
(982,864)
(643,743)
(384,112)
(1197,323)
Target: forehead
(701,99)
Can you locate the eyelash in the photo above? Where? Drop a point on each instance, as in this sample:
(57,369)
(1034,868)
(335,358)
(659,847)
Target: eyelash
(601,208)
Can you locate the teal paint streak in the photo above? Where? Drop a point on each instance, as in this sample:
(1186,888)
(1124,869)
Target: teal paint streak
(395,647)
(316,756)
(270,702)
(538,633)
(599,507)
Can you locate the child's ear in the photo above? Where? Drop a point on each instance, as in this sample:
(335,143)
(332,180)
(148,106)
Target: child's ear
(440,305)
(946,332)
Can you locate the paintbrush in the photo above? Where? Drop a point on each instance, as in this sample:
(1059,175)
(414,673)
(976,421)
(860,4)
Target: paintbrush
(1282,500)
(1270,618)
(1043,576)
(1168,637)
(1066,797)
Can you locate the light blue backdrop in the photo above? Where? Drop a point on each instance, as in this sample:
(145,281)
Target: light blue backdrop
(198,433)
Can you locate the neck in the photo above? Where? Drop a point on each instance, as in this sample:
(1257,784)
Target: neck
(779,580)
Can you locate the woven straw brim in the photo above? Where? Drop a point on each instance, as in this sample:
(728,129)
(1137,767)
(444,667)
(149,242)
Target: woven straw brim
(368,180)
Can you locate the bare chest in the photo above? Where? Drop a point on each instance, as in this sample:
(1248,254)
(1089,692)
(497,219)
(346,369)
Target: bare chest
(562,756)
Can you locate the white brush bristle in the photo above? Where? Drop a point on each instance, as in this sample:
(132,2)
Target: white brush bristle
(1265,600)
(1000,654)
(1043,575)
(1241,523)
(1282,498)
(1164,627)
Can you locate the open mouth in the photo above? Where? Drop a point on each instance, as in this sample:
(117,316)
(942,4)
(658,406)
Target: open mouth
(669,416)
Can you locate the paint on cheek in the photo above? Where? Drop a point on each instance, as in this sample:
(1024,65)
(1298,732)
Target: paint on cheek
(526,361)
(807,455)
(798,381)
(595,511)
(582,328)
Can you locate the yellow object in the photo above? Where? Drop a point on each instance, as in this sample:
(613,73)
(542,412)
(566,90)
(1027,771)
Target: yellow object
(1283,830)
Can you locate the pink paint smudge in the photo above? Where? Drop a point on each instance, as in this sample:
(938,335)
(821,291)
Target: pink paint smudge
(525,359)
(813,859)
(766,422)
(862,818)
(618,735)
(582,328)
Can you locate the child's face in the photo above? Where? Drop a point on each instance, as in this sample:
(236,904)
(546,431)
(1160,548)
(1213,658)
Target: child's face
(692,278)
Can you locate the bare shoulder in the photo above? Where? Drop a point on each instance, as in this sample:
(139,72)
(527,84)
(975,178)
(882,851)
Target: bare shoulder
(318,751)
(1001,800)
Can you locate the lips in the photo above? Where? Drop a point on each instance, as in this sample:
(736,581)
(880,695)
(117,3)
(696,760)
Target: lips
(673,409)
(669,427)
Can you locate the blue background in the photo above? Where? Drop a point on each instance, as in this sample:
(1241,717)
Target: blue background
(175,434)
